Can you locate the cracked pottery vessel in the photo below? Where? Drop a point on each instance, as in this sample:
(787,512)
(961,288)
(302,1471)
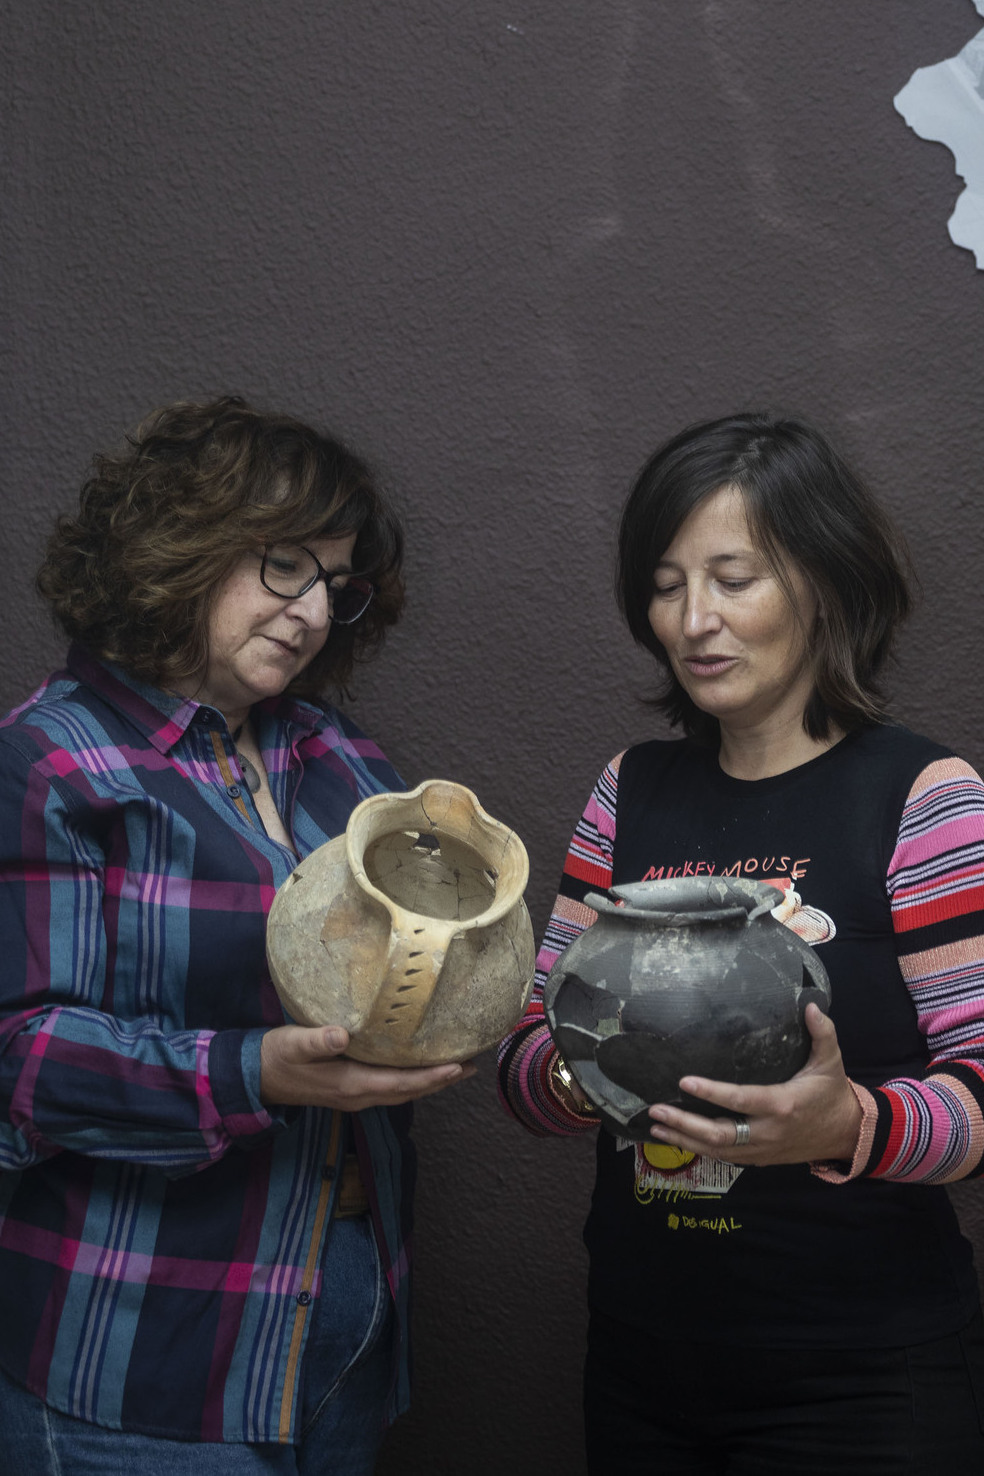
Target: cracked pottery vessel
(409,930)
(676,977)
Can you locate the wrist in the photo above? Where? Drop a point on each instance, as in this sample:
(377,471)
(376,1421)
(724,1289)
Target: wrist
(855,1163)
(853,1118)
(565,1091)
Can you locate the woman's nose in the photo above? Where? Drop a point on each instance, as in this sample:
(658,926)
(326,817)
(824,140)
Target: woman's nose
(313,606)
(700,613)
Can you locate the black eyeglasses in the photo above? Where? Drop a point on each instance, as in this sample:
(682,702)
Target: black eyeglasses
(289,570)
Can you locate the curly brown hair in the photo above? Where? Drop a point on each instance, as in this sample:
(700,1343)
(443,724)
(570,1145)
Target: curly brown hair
(196,486)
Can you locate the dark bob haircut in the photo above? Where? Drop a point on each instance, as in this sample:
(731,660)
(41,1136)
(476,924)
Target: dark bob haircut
(160,524)
(806,507)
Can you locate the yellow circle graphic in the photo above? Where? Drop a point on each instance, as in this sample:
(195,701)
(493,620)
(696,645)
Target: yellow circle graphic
(668,1159)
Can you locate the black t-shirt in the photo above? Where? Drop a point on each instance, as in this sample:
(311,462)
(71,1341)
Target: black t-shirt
(778,1256)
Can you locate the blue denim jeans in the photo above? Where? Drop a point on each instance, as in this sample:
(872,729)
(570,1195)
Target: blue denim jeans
(346,1376)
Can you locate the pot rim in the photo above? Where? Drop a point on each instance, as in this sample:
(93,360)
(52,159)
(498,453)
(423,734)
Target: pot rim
(512,865)
(751,900)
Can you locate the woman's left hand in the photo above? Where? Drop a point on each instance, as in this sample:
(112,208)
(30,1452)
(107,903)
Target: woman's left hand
(813,1116)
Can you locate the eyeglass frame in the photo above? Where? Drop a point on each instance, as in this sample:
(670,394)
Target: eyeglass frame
(322,573)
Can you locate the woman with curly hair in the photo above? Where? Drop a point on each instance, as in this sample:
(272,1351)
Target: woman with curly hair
(205,1211)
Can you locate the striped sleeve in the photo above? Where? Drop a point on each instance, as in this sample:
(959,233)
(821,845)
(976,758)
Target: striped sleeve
(932,1131)
(526,1054)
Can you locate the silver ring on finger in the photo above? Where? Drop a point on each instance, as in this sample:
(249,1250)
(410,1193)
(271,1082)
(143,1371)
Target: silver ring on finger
(743,1133)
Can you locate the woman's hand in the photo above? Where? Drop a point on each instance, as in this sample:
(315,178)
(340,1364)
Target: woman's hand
(304,1067)
(813,1116)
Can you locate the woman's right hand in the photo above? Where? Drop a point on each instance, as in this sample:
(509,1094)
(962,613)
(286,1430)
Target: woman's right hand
(302,1066)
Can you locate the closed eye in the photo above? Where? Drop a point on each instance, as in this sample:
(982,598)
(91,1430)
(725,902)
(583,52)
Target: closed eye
(281,563)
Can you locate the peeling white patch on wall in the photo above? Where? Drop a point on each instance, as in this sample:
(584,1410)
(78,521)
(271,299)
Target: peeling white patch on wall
(945,103)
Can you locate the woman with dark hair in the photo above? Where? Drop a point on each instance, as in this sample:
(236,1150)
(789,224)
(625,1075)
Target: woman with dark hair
(205,1210)
(784,1287)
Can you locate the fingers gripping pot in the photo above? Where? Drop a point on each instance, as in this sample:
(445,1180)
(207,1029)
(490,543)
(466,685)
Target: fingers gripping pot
(691,976)
(409,930)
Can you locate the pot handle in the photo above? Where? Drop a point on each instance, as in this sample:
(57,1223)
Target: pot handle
(612,905)
(418,945)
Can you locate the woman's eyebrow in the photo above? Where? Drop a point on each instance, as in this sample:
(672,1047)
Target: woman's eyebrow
(345,568)
(720,558)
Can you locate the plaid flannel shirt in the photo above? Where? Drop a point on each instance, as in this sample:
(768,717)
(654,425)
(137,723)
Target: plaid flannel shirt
(161,1231)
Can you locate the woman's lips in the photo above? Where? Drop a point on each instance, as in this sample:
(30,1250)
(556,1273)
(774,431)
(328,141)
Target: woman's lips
(709,666)
(285,648)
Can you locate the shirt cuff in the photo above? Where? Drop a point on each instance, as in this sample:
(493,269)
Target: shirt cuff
(234,1080)
(832,1171)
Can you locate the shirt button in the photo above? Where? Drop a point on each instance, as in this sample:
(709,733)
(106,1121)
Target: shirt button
(303,1298)
(206,715)
(233,790)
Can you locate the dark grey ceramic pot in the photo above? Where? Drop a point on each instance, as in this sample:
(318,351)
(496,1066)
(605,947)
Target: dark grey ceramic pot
(675,977)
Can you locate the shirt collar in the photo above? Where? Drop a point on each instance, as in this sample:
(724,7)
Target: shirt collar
(164,717)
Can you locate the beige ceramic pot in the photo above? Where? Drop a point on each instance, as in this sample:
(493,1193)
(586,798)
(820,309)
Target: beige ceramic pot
(409,930)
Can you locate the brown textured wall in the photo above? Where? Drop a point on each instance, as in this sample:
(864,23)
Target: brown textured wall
(504,248)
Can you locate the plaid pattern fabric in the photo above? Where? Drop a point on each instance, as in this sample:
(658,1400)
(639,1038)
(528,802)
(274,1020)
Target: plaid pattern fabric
(161,1231)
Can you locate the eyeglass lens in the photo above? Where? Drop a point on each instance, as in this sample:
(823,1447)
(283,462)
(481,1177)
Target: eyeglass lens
(289,570)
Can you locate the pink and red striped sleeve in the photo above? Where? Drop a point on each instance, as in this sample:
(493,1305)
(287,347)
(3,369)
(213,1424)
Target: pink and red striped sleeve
(526,1054)
(931,1130)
